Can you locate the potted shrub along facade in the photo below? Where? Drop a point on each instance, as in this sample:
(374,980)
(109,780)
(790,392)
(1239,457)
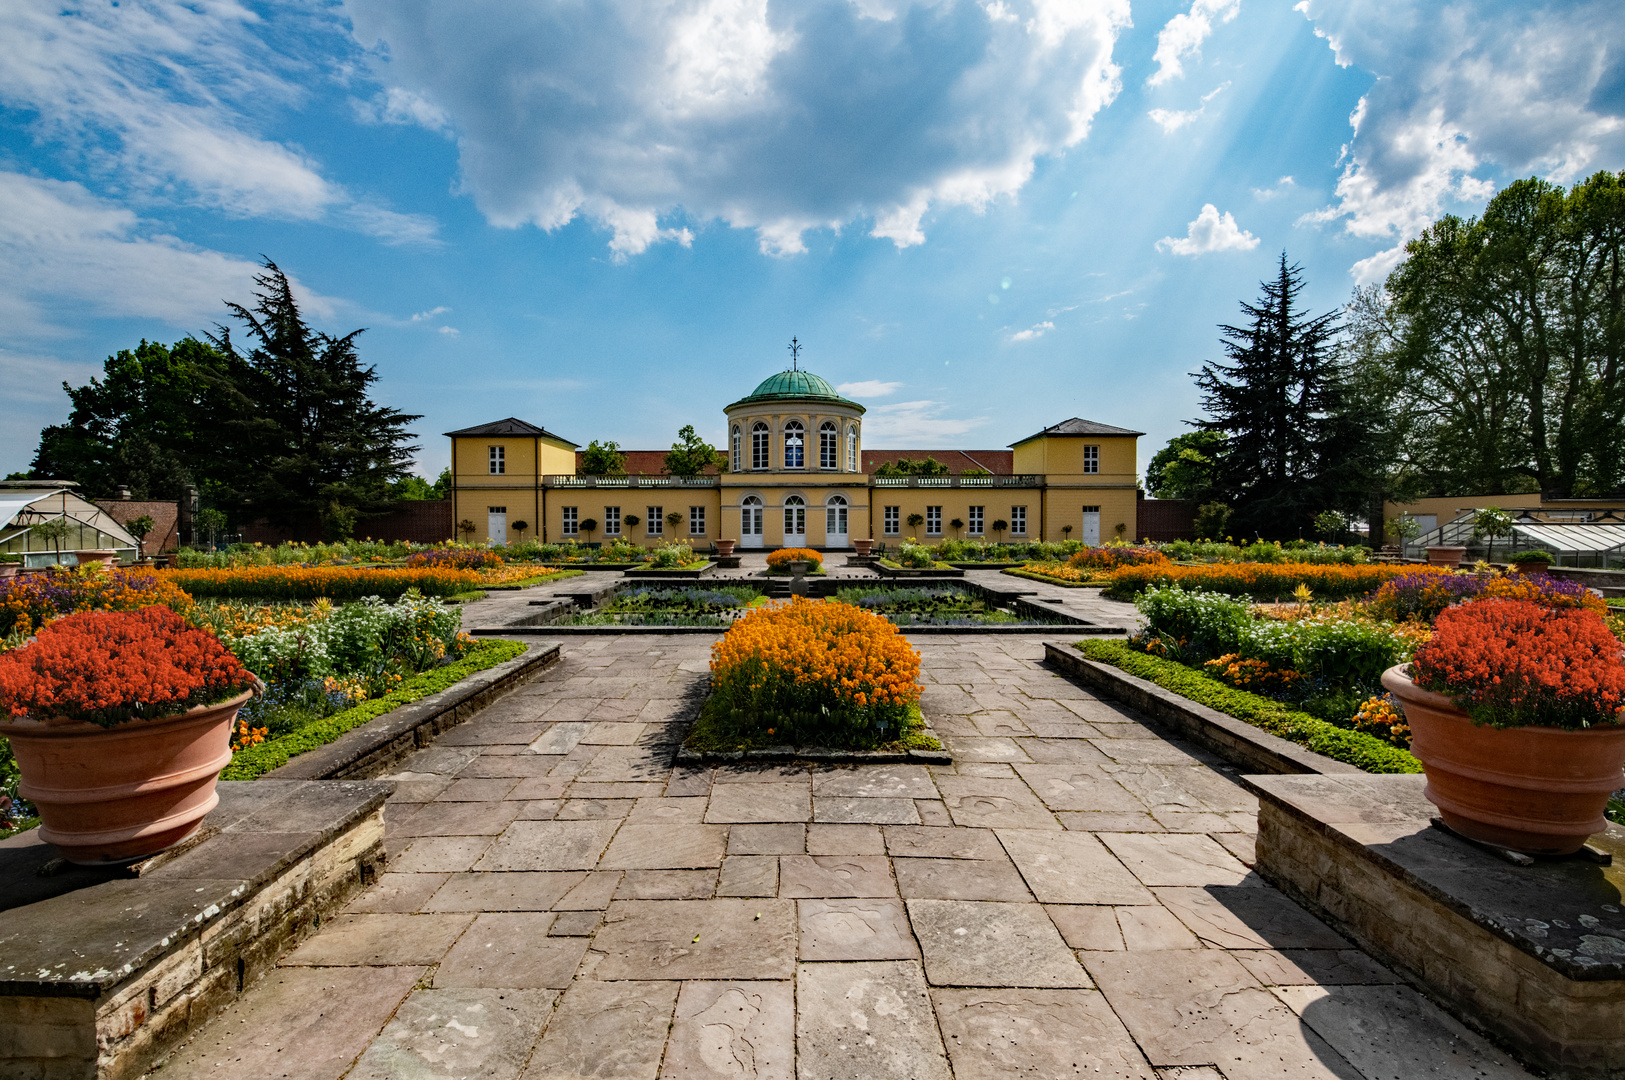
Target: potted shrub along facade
(1532,562)
(120,722)
(1514,711)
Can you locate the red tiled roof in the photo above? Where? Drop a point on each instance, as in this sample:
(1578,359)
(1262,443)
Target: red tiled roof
(643,463)
(997,462)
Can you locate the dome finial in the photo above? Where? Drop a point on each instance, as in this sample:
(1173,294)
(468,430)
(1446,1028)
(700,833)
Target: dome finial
(795,354)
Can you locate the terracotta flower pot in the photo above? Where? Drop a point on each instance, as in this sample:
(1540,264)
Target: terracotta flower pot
(725,548)
(96,556)
(1530,566)
(1446,555)
(8,570)
(862,547)
(118,794)
(1538,790)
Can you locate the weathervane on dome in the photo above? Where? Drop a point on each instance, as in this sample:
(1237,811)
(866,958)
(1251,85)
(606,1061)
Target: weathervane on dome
(795,354)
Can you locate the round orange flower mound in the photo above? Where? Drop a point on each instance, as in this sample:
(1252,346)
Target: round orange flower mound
(782,558)
(111,666)
(814,672)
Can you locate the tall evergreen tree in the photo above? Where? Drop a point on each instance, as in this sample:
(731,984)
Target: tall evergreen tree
(1281,402)
(311,443)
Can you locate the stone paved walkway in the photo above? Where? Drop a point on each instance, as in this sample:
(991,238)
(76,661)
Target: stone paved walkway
(1071,899)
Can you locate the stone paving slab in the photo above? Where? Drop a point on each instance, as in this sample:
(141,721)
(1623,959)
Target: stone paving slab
(1071,897)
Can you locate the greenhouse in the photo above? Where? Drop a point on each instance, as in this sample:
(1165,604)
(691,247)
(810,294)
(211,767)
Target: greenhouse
(1588,539)
(26,505)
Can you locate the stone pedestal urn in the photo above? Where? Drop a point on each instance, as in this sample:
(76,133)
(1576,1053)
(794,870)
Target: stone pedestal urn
(1536,790)
(113,795)
(725,548)
(862,547)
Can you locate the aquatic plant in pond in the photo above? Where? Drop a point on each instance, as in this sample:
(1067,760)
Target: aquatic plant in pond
(929,605)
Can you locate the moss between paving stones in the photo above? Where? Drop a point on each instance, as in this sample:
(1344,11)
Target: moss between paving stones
(704,738)
(1353,747)
(255,761)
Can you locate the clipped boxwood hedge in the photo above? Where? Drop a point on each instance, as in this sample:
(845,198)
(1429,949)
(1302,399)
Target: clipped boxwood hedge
(1340,744)
(255,761)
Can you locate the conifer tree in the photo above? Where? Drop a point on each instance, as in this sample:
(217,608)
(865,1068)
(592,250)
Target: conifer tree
(1281,403)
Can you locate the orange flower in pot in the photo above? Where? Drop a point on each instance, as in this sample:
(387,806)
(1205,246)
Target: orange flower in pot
(120,722)
(1514,710)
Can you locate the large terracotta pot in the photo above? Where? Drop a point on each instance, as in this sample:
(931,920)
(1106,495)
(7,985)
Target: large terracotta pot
(1530,566)
(1538,790)
(1446,555)
(862,547)
(97,556)
(8,570)
(108,795)
(725,548)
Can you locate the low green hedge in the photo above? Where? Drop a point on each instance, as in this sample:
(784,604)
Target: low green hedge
(255,761)
(1340,744)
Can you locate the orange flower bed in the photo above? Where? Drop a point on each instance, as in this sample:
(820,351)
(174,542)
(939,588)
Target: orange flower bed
(782,558)
(341,582)
(814,671)
(1262,581)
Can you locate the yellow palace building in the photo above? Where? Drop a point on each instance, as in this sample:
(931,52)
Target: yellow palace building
(798,476)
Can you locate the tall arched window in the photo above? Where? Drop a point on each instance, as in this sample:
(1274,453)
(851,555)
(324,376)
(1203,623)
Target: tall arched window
(736,448)
(829,446)
(750,516)
(758,446)
(835,511)
(795,445)
(852,448)
(795,518)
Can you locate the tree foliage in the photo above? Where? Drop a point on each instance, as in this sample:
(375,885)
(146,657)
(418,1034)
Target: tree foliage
(1502,337)
(1187,468)
(927,466)
(603,459)
(691,455)
(1284,404)
(287,430)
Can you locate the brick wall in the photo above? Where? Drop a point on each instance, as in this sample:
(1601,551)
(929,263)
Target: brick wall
(1167,519)
(425,522)
(165,517)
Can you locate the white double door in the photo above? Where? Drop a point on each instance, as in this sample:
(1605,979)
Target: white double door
(1091,526)
(795,521)
(835,517)
(496,524)
(750,522)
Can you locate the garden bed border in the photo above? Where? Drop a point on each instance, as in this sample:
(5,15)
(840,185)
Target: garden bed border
(370,749)
(1234,740)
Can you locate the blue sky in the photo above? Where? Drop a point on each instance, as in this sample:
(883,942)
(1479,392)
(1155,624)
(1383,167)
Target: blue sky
(610,218)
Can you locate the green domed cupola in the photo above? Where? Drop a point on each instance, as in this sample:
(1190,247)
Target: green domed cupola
(795,385)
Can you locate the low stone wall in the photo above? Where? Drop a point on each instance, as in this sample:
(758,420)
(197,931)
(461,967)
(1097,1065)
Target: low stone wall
(1532,956)
(1236,741)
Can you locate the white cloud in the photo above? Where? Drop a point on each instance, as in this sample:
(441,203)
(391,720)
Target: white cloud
(451,331)
(1183,35)
(1282,186)
(1530,89)
(1211,231)
(162,100)
(642,116)
(1171,120)
(918,425)
(1034,332)
(424,316)
(869,388)
(64,248)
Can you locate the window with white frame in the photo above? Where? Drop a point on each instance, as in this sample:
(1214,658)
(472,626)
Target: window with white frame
(1018,520)
(852,448)
(829,446)
(572,521)
(977,516)
(759,447)
(499,460)
(736,448)
(835,516)
(654,523)
(696,521)
(612,521)
(933,521)
(892,520)
(795,516)
(1091,459)
(795,445)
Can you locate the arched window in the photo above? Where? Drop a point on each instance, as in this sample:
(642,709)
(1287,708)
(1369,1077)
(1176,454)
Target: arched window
(758,446)
(736,448)
(750,517)
(829,446)
(795,445)
(835,516)
(852,448)
(795,516)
